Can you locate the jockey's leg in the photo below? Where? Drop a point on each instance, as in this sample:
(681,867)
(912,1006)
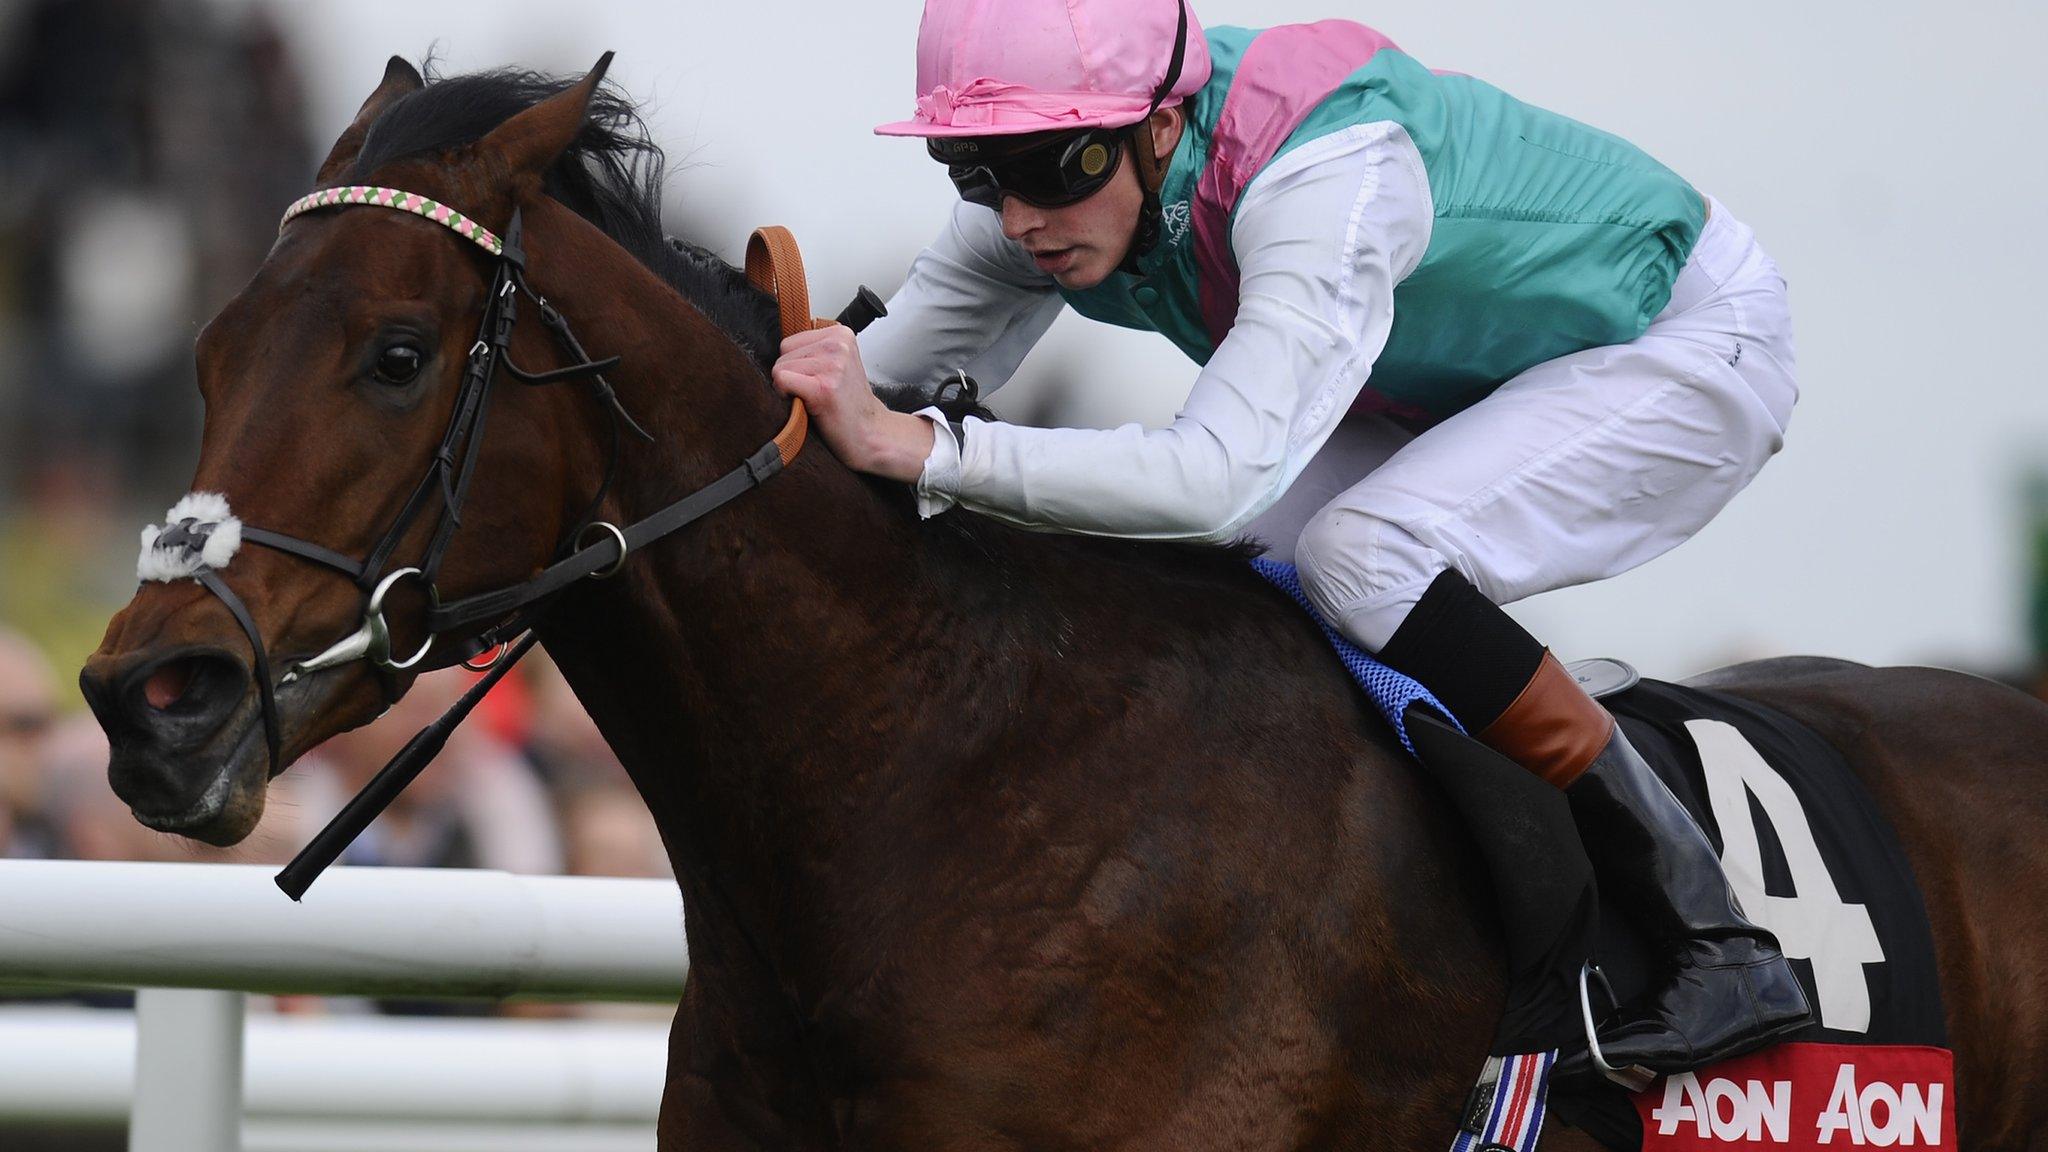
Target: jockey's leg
(1730,989)
(1579,469)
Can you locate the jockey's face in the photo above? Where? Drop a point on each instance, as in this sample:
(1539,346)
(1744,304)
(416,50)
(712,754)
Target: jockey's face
(1081,244)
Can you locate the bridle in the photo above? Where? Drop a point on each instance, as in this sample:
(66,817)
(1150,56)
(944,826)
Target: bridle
(591,549)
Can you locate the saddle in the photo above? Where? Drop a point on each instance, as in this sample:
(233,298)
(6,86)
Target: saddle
(1811,858)
(1809,855)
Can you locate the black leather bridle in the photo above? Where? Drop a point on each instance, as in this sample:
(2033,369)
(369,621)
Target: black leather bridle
(592,548)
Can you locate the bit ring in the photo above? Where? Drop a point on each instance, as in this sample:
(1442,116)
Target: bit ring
(380,632)
(612,569)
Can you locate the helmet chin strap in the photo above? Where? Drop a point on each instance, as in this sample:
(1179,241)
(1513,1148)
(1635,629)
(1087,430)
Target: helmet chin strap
(1151,174)
(1152,170)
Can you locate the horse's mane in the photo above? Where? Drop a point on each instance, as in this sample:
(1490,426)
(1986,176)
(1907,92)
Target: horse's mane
(611,176)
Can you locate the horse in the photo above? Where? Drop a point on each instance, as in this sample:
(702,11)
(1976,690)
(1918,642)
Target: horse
(986,839)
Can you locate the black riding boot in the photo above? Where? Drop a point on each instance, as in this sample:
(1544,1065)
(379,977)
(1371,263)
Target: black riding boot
(1730,989)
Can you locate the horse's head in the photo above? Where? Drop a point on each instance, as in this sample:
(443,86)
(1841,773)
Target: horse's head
(332,387)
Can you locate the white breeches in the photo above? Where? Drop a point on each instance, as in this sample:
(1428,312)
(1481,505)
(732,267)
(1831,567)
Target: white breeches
(1580,468)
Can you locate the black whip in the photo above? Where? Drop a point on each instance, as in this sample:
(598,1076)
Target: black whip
(382,789)
(865,309)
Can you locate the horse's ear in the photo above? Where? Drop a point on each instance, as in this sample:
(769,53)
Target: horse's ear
(532,140)
(400,77)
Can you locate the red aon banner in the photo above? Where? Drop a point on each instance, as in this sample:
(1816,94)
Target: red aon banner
(1807,1097)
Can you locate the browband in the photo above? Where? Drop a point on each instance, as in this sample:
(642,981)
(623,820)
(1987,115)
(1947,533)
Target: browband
(401,200)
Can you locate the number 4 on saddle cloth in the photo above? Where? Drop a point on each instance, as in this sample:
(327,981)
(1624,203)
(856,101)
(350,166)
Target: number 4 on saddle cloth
(1809,855)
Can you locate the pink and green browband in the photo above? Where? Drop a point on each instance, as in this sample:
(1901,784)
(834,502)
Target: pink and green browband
(403,201)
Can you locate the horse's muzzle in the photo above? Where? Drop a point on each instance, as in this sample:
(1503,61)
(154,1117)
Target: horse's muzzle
(171,724)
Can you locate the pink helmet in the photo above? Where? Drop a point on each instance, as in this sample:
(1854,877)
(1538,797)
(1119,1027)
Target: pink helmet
(1004,67)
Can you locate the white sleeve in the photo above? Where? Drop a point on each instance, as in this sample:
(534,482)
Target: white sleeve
(972,301)
(1322,236)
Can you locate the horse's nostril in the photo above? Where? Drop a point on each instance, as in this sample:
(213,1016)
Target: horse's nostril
(184,690)
(167,685)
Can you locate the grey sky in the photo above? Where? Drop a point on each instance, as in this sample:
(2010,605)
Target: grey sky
(1888,155)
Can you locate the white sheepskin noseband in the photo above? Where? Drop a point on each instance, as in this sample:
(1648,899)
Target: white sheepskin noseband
(198,533)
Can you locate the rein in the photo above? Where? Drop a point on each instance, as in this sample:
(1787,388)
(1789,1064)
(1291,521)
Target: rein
(592,549)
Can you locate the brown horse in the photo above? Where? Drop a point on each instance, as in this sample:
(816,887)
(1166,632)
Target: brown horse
(986,839)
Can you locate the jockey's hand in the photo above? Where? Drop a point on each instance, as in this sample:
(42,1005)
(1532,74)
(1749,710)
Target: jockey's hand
(822,368)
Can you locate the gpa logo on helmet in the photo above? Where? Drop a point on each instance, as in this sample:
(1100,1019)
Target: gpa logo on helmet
(1094,159)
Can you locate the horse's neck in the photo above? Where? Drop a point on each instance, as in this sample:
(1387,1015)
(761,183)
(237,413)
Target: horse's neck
(735,670)
(723,663)
(796,682)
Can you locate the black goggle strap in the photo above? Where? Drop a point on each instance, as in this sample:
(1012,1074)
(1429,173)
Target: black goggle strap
(979,183)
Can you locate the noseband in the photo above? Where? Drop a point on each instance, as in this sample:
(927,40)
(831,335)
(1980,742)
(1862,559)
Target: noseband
(592,548)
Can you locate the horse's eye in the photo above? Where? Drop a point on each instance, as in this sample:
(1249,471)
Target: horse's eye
(399,364)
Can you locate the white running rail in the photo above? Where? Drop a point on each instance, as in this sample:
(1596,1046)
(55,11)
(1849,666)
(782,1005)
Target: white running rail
(195,938)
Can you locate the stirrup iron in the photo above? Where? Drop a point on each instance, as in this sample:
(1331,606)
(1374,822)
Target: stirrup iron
(1635,1077)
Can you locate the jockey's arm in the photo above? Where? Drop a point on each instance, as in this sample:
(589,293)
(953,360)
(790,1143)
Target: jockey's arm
(972,302)
(1322,236)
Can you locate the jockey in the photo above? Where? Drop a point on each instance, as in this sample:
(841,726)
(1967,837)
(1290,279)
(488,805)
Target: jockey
(1456,351)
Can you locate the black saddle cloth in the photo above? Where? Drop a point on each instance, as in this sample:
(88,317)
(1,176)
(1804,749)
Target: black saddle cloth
(1834,881)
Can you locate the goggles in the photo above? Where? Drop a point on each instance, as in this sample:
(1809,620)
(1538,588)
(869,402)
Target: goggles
(1048,171)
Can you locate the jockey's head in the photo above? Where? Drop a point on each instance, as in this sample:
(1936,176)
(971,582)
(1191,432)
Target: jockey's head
(1033,104)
